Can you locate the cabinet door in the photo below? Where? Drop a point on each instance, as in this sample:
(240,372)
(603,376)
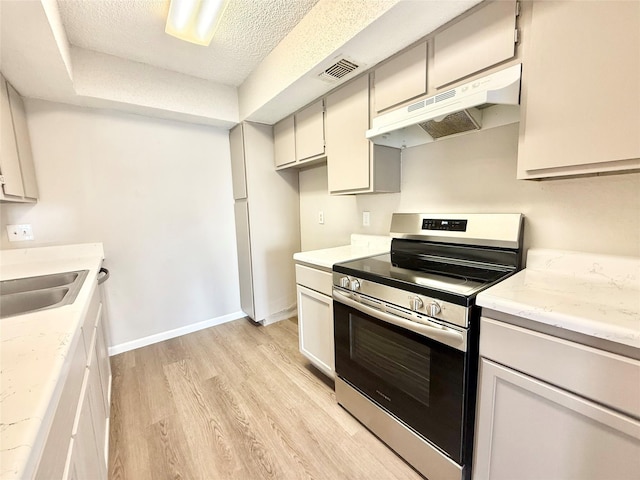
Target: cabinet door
(315,323)
(402,78)
(243,240)
(85,461)
(96,405)
(348,150)
(238,174)
(478,41)
(580,95)
(309,132)
(528,429)
(284,142)
(103,364)
(9,160)
(23,143)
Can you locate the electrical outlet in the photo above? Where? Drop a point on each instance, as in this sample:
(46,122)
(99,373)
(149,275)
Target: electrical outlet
(366,219)
(321,218)
(19,233)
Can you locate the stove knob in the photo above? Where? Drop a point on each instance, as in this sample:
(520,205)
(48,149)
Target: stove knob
(355,284)
(433,308)
(344,282)
(415,303)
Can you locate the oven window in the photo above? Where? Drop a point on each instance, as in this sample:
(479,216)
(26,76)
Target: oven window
(396,359)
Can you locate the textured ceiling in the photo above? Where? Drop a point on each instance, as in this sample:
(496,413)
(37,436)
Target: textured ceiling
(134,30)
(263,63)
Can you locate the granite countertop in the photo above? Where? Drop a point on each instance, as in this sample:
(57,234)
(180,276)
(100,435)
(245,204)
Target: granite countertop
(361,246)
(593,295)
(35,353)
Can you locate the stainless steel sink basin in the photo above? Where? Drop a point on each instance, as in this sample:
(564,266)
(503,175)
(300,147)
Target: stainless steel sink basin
(26,295)
(37,283)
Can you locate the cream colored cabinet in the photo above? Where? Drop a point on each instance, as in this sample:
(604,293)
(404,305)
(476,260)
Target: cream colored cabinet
(299,139)
(284,142)
(238,173)
(402,78)
(354,164)
(552,408)
(77,443)
(478,41)
(309,132)
(17,172)
(580,97)
(85,458)
(267,220)
(315,317)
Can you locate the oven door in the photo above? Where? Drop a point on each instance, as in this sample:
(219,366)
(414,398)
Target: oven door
(411,374)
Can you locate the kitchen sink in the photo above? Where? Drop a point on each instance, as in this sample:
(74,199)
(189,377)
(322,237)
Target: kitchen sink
(26,295)
(37,283)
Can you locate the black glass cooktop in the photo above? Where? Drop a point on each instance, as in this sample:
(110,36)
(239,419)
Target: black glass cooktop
(451,280)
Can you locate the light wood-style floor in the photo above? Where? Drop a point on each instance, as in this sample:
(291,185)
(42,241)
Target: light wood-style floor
(236,401)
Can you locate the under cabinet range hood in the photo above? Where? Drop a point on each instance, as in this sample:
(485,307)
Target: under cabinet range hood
(483,103)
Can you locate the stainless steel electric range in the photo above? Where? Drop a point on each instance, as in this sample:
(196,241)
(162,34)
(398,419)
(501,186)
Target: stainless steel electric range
(407,329)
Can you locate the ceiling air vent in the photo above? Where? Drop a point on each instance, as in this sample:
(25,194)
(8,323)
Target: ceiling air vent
(338,70)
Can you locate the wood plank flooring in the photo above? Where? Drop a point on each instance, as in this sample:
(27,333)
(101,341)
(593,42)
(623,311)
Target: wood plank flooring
(236,401)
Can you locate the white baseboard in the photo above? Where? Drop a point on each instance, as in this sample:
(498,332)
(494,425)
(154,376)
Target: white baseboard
(176,332)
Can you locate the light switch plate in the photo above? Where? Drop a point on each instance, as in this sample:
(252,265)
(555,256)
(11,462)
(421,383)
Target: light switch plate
(20,233)
(366,219)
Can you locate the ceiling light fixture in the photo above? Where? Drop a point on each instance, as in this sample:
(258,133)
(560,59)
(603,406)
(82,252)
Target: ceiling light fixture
(195,21)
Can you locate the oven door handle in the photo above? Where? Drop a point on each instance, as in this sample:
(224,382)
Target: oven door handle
(436,332)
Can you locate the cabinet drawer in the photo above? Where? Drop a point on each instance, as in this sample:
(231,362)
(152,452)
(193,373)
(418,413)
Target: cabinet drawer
(314,279)
(601,376)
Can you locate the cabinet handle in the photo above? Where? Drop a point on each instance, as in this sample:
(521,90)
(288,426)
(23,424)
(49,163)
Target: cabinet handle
(105,275)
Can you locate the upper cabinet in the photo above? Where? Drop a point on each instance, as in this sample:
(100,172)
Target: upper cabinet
(17,172)
(238,173)
(310,132)
(484,38)
(299,139)
(400,79)
(284,145)
(580,96)
(354,164)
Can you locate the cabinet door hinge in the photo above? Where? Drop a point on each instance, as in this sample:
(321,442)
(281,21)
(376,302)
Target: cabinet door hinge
(2,182)
(517,9)
(516,36)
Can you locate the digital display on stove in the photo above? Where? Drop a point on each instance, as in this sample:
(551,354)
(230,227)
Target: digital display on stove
(449,225)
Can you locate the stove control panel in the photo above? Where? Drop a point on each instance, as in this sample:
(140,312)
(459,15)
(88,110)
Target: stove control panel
(448,225)
(415,305)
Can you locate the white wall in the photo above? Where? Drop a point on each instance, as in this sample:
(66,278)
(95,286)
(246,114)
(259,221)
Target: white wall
(157,193)
(477,173)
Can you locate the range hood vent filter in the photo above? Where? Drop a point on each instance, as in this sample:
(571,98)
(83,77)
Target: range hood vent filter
(459,122)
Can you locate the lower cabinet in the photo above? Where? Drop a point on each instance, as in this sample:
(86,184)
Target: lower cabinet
(77,444)
(533,430)
(528,428)
(315,318)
